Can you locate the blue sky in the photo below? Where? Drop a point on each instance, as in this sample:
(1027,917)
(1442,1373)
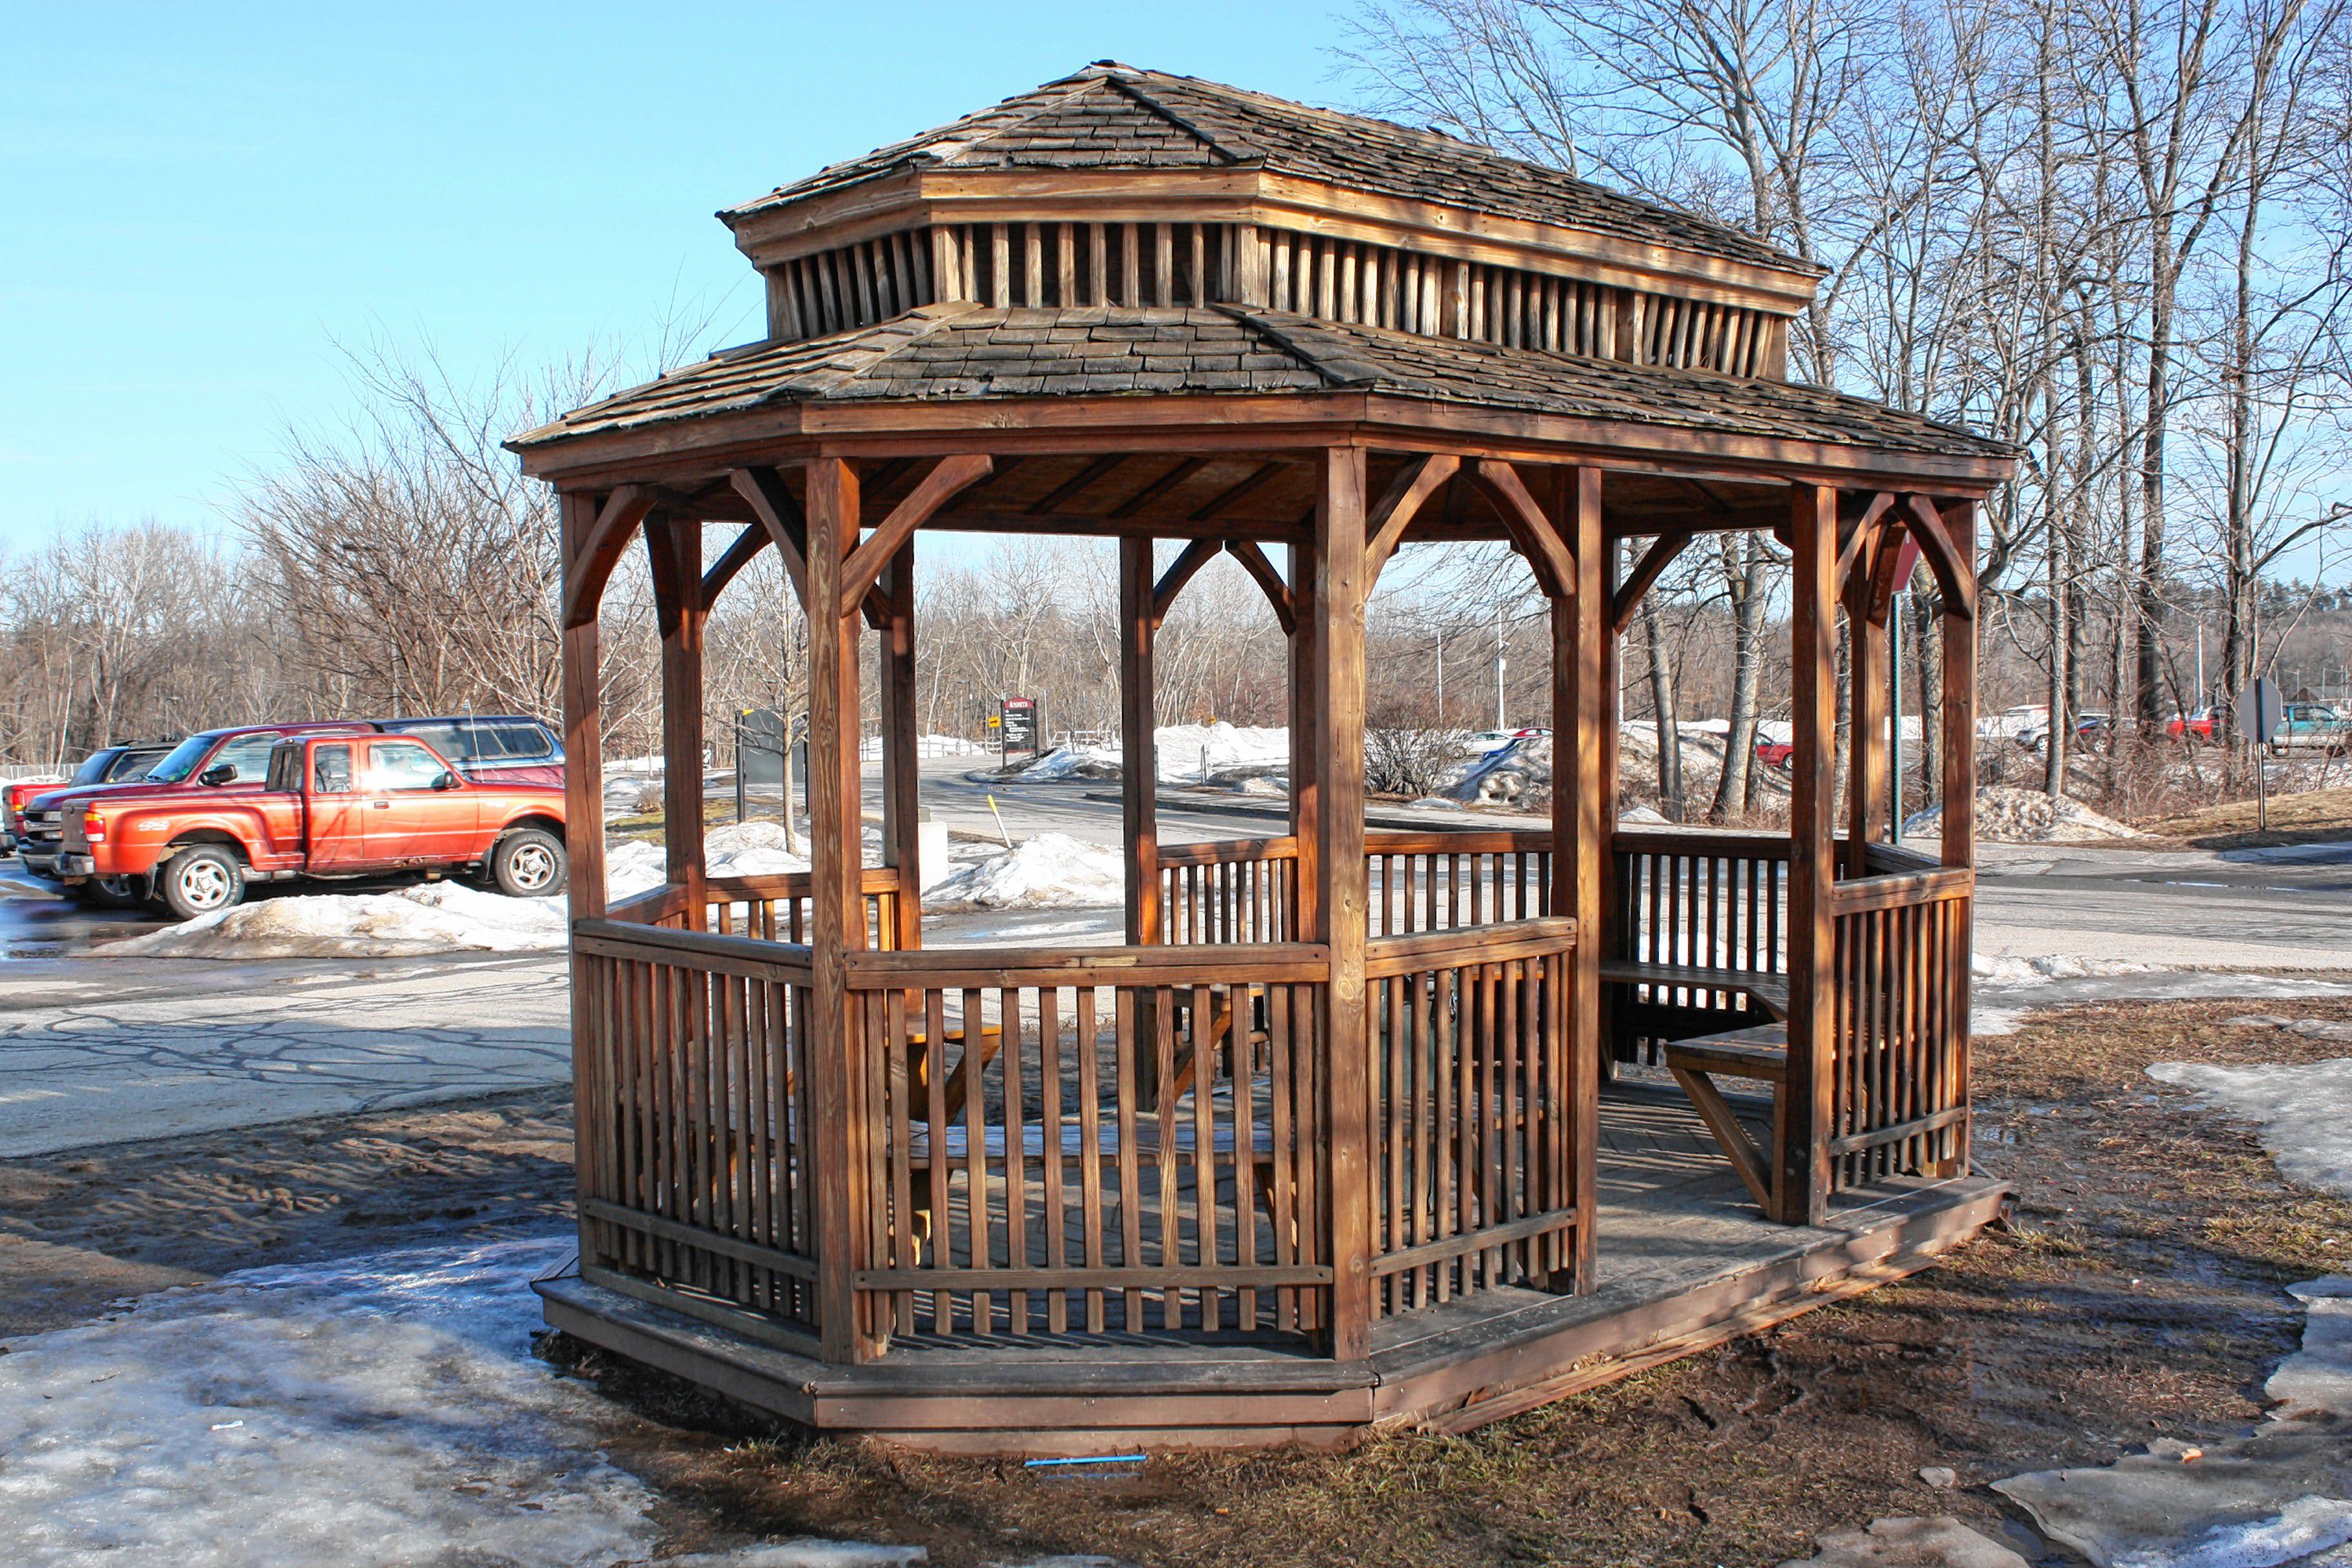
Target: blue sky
(202,201)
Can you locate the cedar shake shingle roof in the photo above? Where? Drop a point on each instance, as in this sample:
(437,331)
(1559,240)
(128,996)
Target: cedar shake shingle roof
(1114,115)
(961,353)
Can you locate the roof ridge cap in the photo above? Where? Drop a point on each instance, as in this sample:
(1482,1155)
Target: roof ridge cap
(1338,369)
(1132,89)
(1076,87)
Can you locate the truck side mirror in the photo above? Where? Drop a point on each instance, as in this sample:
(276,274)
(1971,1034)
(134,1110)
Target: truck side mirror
(218,774)
(446,781)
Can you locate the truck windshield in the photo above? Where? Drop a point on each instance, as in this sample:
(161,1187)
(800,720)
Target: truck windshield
(183,761)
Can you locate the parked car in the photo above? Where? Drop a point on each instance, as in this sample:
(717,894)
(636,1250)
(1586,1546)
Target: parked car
(1776,755)
(108,765)
(2203,726)
(2312,726)
(511,748)
(2088,723)
(233,758)
(328,805)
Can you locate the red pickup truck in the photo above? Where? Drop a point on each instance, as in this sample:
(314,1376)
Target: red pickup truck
(331,805)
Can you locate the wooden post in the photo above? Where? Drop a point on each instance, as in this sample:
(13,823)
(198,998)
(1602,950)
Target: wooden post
(1960,700)
(837,1132)
(1583,630)
(1138,770)
(1342,914)
(1802,1163)
(901,773)
(1306,789)
(675,548)
(583,831)
(1866,785)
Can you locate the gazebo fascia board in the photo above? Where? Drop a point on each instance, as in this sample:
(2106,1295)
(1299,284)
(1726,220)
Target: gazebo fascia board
(702,447)
(922,196)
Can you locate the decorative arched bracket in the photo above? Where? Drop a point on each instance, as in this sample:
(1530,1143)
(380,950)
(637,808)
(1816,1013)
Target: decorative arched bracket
(865,563)
(1530,530)
(1261,570)
(1384,528)
(1957,583)
(1646,572)
(592,563)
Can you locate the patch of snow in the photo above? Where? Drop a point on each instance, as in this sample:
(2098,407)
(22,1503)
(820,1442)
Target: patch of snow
(2007,814)
(1050,870)
(2317,1379)
(1941,1541)
(1073,762)
(1185,753)
(754,848)
(2283,1495)
(1644,816)
(2008,987)
(633,865)
(1515,775)
(437,916)
(2305,1112)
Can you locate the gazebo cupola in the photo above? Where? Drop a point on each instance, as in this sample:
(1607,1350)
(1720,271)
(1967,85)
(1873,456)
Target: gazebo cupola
(1353,1125)
(1118,187)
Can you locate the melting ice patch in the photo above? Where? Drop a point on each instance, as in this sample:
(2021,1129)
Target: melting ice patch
(2305,1112)
(383,1411)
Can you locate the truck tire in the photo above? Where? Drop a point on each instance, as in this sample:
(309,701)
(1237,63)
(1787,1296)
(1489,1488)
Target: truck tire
(529,863)
(200,880)
(108,893)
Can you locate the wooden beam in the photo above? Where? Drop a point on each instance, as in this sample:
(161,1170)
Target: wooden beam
(1530,530)
(674,553)
(1077,484)
(763,491)
(1234,494)
(948,476)
(1800,1163)
(1959,782)
(1336,753)
(1262,572)
(1398,505)
(731,562)
(590,558)
(1644,576)
(1953,573)
(1182,470)
(1197,554)
(1138,761)
(583,833)
(1866,749)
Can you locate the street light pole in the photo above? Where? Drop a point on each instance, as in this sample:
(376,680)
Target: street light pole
(1499,722)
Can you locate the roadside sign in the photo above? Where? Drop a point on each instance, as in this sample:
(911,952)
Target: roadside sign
(2260,709)
(1021,724)
(1905,559)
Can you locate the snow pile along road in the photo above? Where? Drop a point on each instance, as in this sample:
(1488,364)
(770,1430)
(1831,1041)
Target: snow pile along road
(1052,869)
(1186,753)
(2009,815)
(438,917)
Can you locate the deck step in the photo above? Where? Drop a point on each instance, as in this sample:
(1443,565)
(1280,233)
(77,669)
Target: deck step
(1770,991)
(1761,1052)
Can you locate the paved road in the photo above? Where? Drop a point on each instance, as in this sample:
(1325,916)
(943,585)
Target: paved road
(98,1050)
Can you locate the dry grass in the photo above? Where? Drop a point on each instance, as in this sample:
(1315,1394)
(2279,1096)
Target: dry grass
(2309,817)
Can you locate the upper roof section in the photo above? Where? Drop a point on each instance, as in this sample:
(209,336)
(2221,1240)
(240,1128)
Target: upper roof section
(1118,146)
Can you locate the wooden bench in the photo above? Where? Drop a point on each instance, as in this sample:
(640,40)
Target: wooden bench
(1768,991)
(1761,1053)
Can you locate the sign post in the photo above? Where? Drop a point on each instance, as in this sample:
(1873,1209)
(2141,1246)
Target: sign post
(2259,713)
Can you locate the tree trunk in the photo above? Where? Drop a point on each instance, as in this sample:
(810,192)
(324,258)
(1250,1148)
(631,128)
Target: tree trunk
(1744,568)
(1662,704)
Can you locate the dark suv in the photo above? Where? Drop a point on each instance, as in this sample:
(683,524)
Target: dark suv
(496,747)
(121,763)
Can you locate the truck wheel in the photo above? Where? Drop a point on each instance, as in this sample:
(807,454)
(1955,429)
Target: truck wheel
(529,863)
(199,881)
(109,892)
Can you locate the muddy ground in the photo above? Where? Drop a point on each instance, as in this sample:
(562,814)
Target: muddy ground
(2134,1293)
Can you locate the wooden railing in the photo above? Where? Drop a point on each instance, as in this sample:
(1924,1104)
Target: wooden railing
(1474,1185)
(776,907)
(695,1180)
(1121,1140)
(1445,881)
(1238,890)
(1697,900)
(1901,981)
(1246,890)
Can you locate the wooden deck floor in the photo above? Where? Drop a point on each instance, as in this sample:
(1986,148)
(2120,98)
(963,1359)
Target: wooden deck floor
(1685,1260)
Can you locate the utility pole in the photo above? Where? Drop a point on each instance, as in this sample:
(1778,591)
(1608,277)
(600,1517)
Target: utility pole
(1441,678)
(1499,721)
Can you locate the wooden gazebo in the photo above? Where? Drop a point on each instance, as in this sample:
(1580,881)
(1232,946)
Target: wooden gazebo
(1355,1126)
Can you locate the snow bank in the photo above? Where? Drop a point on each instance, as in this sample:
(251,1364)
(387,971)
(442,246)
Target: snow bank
(384,1412)
(2317,1379)
(1052,869)
(1186,753)
(438,917)
(1517,775)
(2006,815)
(2305,1112)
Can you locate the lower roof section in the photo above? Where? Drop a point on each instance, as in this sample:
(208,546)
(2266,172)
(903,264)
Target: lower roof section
(1143,365)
